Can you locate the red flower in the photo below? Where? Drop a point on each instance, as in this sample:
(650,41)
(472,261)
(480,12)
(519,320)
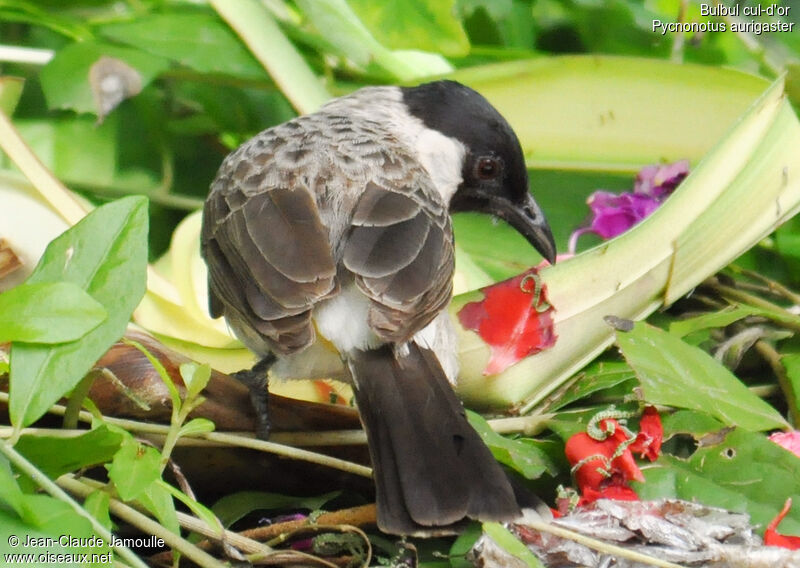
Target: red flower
(773,538)
(514,319)
(603,462)
(651,433)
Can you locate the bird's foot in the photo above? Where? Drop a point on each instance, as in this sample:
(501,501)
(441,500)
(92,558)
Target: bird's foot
(255,379)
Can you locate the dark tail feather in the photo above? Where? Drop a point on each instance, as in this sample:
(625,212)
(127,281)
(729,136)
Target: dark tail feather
(431,468)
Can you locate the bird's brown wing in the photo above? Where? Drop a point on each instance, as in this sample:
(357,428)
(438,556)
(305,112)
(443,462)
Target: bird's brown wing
(268,255)
(400,247)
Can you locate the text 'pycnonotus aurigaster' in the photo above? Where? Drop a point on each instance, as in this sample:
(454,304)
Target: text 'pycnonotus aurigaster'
(330,252)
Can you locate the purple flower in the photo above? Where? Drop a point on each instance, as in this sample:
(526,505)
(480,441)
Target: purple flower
(613,214)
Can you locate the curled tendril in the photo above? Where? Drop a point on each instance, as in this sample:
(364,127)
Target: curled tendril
(598,432)
(604,470)
(538,303)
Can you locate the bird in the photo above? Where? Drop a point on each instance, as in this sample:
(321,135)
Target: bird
(330,252)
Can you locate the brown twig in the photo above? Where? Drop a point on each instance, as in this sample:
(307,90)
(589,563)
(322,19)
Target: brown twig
(354,516)
(774,287)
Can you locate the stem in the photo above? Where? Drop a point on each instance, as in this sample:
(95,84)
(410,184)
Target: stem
(30,55)
(46,184)
(229,439)
(290,452)
(154,194)
(194,524)
(771,310)
(75,400)
(352,517)
(773,359)
(146,524)
(256,27)
(22,464)
(774,287)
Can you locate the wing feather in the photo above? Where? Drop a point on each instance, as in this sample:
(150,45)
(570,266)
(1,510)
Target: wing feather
(269,260)
(400,247)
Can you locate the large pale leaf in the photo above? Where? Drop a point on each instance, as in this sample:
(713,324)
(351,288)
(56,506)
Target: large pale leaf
(105,254)
(613,113)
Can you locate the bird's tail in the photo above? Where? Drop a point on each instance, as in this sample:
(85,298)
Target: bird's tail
(431,468)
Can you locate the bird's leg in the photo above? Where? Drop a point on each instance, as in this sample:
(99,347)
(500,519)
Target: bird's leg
(255,379)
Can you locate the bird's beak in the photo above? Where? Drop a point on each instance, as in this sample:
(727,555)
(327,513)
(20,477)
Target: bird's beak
(528,219)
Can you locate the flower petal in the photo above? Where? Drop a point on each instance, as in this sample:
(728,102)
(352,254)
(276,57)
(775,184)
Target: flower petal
(773,538)
(651,434)
(614,492)
(514,319)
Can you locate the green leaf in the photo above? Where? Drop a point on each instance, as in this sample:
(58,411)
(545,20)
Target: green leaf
(742,471)
(48,313)
(10,492)
(106,255)
(337,23)
(156,499)
(675,374)
(57,455)
(196,426)
(499,250)
(195,377)
(463,544)
(697,424)
(497,9)
(97,505)
(11,524)
(722,318)
(511,544)
(201,511)
(427,25)
(135,468)
(598,376)
(55,517)
(31,13)
(233,507)
(199,41)
(522,455)
(65,80)
(174,393)
(791,362)
(92,162)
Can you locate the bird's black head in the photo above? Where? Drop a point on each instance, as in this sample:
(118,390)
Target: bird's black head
(494,176)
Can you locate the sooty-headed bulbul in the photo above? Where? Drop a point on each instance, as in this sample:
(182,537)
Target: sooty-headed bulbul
(330,252)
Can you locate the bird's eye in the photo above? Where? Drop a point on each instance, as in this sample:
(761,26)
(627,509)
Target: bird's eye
(487,168)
